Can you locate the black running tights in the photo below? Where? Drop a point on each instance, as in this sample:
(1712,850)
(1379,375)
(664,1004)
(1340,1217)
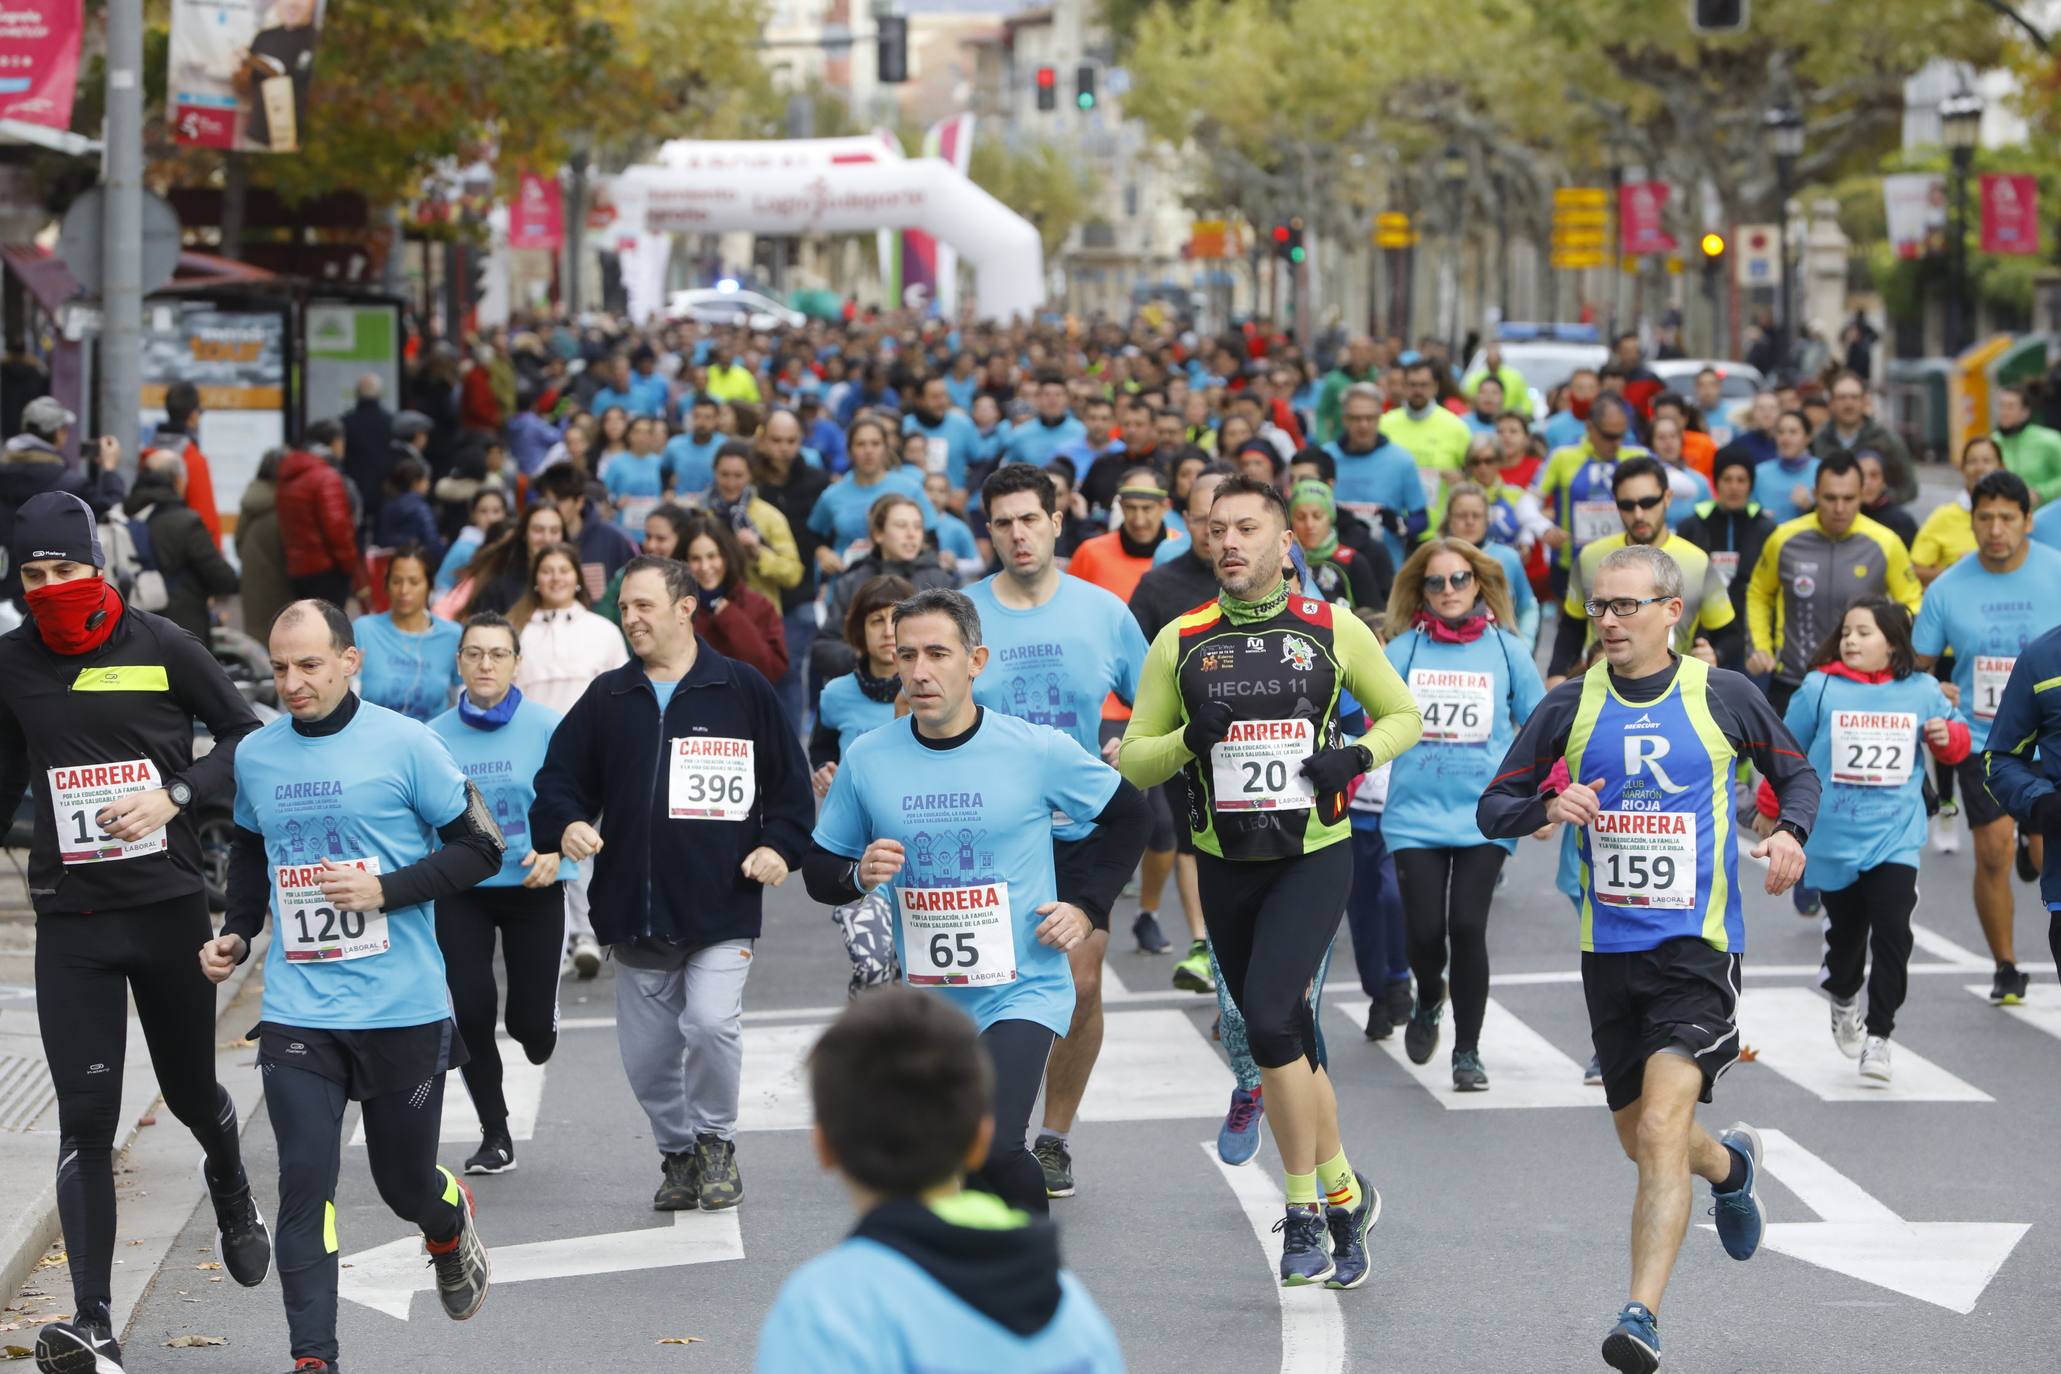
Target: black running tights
(531,922)
(1270,921)
(1018,1050)
(1446,896)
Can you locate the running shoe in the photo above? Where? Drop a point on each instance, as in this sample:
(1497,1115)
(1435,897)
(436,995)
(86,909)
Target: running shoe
(1305,1246)
(2028,871)
(715,1161)
(2010,986)
(461,1262)
(1151,939)
(83,1345)
(1379,1026)
(1946,836)
(1740,1216)
(243,1247)
(1592,1076)
(1633,1345)
(1420,1037)
(1238,1139)
(1193,973)
(1349,1228)
(1399,1001)
(1875,1059)
(1057,1162)
(308,1364)
(1468,1074)
(586,956)
(1847,1030)
(680,1188)
(496,1152)
(1807,900)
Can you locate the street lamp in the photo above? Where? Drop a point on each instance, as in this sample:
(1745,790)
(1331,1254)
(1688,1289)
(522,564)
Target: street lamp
(1782,126)
(1960,128)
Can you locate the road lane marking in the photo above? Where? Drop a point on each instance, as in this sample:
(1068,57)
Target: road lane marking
(1312,1326)
(1790,1032)
(522,1083)
(1525,1069)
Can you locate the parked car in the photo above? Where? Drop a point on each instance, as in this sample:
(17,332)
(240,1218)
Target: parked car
(714,305)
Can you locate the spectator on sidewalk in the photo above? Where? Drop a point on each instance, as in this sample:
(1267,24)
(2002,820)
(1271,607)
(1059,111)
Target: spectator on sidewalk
(178,435)
(192,566)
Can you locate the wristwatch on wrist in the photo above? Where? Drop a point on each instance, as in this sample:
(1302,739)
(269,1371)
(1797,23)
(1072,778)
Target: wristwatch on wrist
(1793,829)
(180,793)
(1366,758)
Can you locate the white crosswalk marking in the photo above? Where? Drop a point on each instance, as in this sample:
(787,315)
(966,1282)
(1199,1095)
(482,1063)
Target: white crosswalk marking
(2045,1015)
(522,1084)
(1789,1031)
(1524,1068)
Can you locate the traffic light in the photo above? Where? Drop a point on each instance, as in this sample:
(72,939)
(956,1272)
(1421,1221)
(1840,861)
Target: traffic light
(1084,87)
(1717,16)
(1296,252)
(892,48)
(1048,89)
(1281,235)
(1713,247)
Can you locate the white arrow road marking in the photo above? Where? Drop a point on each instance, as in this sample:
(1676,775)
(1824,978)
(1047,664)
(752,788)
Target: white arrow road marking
(522,1084)
(1525,1069)
(1945,1263)
(1312,1327)
(1790,1031)
(387,1278)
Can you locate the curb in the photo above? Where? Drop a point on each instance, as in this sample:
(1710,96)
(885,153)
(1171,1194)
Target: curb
(24,1248)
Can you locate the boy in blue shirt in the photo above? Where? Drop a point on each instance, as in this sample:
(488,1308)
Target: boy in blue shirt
(933,1276)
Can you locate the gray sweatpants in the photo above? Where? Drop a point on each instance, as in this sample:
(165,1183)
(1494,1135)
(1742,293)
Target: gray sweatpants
(678,1022)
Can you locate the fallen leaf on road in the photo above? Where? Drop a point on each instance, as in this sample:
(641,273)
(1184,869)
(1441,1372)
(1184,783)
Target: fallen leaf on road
(683,1340)
(53,1259)
(135,1242)
(15,1352)
(1748,1053)
(211,1264)
(146,1120)
(194,1342)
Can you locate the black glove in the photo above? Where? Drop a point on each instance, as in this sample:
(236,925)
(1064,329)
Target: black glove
(1333,770)
(1207,725)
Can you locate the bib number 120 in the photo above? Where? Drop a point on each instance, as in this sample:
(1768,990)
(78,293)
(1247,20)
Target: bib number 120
(329,924)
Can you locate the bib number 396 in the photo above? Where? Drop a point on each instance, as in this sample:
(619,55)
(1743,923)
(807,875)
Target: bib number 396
(313,929)
(712,779)
(957,936)
(1258,766)
(76,797)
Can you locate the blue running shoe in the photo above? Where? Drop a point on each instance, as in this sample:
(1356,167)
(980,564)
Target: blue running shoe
(1740,1217)
(1349,1228)
(1305,1246)
(1238,1139)
(1633,1345)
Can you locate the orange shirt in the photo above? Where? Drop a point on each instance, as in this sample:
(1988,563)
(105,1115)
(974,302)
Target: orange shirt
(1697,452)
(1104,561)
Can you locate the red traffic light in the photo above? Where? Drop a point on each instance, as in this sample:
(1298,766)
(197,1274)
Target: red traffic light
(1048,76)
(1280,233)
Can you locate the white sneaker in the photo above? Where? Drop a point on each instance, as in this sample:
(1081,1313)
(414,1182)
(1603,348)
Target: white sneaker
(1875,1059)
(586,956)
(1847,1030)
(1946,837)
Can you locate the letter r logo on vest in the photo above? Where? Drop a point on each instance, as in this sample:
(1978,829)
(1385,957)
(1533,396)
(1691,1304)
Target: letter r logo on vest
(1646,751)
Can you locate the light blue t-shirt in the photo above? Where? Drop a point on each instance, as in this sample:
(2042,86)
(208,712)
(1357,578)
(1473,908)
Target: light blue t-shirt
(413,673)
(1473,696)
(2046,525)
(850,712)
(457,556)
(975,824)
(955,537)
(1563,430)
(1685,487)
(1386,477)
(635,483)
(840,512)
(377,789)
(955,433)
(1774,481)
(1057,664)
(663,691)
(692,463)
(1987,619)
(503,763)
(1035,442)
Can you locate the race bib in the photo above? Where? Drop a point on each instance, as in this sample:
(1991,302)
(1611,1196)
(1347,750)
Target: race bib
(76,796)
(1433,484)
(313,930)
(1369,512)
(1595,520)
(1370,793)
(1726,561)
(712,779)
(1991,673)
(632,510)
(1457,706)
(1873,748)
(957,936)
(1643,858)
(1257,767)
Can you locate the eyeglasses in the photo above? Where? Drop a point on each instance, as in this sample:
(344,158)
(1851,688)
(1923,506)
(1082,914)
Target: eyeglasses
(1640,503)
(1485,460)
(491,655)
(1619,606)
(1459,582)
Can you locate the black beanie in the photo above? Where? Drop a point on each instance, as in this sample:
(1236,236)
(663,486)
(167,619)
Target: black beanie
(1729,457)
(56,524)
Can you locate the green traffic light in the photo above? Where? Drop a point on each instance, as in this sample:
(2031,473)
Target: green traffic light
(1297,254)
(1086,100)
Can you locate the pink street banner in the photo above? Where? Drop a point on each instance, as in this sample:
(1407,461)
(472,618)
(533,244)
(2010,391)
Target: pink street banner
(39,61)
(536,219)
(1641,208)
(238,72)
(2010,213)
(930,269)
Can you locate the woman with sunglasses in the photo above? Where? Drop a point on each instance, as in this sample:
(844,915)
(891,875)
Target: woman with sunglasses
(1468,516)
(1475,683)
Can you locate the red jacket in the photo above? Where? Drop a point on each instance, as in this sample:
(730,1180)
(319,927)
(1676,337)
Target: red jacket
(747,628)
(315,518)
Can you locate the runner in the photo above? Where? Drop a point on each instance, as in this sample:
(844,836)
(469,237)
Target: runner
(98,704)
(1251,681)
(1475,683)
(970,857)
(497,738)
(1985,610)
(1377,478)
(696,828)
(408,652)
(1467,519)
(1860,717)
(1661,926)
(1345,579)
(336,804)
(1732,529)
(2029,715)
(1574,485)
(1059,647)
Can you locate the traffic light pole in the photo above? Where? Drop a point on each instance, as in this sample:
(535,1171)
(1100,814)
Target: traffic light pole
(121,245)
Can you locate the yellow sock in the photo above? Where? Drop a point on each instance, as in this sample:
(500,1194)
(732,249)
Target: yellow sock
(1341,1188)
(1302,1190)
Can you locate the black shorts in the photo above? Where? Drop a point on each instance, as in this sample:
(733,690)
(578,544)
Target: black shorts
(1174,793)
(1976,803)
(1071,860)
(1680,998)
(365,1063)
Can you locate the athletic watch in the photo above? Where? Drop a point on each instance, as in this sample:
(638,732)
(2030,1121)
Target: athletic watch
(1802,836)
(180,793)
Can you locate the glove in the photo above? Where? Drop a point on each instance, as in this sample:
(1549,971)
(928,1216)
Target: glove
(1333,770)
(1207,726)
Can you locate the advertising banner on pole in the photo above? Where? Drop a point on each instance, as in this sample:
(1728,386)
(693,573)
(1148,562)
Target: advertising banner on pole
(1641,209)
(1915,205)
(536,218)
(238,73)
(39,61)
(2010,213)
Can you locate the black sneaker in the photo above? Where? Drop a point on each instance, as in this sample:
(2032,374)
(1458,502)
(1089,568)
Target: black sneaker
(1420,1037)
(1057,1162)
(496,1152)
(2028,871)
(243,1247)
(83,1345)
(1399,1001)
(1151,939)
(1468,1074)
(680,1189)
(1379,1024)
(2010,986)
(715,1159)
(463,1271)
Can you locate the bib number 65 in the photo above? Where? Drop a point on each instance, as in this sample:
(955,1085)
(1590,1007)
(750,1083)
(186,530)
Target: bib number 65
(950,949)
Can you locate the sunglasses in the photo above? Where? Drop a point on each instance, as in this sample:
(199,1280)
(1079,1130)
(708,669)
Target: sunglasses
(1640,503)
(1459,582)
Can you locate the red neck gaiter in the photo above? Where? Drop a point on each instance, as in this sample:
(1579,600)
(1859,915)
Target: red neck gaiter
(75,617)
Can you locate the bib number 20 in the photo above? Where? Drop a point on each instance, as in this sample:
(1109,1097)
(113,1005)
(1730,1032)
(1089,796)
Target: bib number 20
(1265,777)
